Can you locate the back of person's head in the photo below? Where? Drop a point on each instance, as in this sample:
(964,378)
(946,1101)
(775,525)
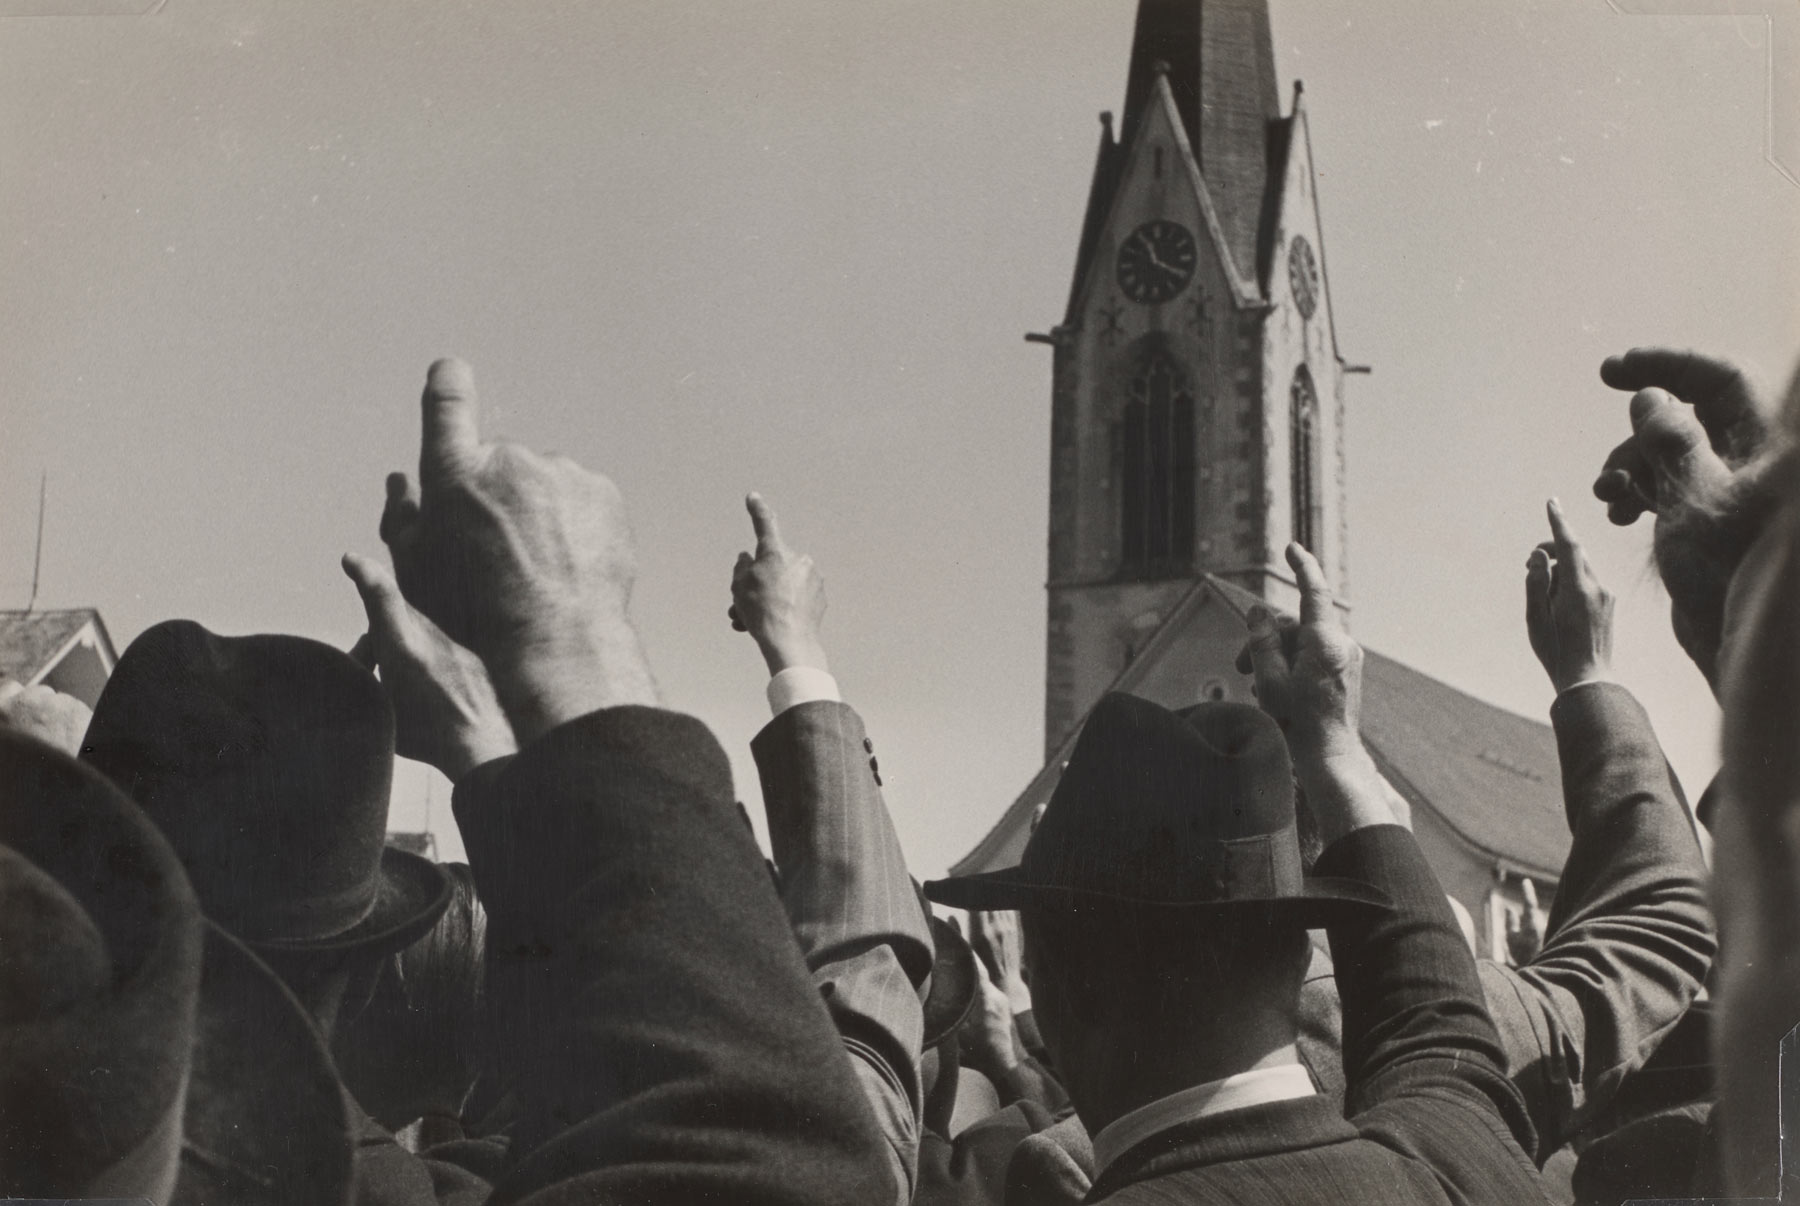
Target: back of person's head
(415,1046)
(1165,882)
(1143,967)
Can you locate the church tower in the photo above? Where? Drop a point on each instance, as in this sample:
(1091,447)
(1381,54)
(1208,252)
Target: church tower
(1197,400)
(1197,426)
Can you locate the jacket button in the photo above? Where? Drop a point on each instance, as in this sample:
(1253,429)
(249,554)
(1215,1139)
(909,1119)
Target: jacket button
(868,745)
(875,769)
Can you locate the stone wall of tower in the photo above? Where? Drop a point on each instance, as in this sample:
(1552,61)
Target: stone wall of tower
(1292,339)
(1099,611)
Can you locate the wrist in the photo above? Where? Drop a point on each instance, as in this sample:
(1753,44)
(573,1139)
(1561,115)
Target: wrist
(1319,751)
(1592,672)
(793,652)
(994,1054)
(552,678)
(1345,792)
(476,744)
(1018,995)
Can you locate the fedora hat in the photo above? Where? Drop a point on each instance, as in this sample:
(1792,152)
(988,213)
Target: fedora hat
(127,1023)
(266,761)
(1191,811)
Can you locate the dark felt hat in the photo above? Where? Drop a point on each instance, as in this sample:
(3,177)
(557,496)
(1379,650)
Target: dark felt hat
(128,1026)
(953,983)
(266,761)
(1192,811)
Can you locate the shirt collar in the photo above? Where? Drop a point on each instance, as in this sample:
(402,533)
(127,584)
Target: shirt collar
(1281,1082)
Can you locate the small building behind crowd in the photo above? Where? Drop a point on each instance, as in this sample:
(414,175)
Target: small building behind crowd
(65,649)
(69,650)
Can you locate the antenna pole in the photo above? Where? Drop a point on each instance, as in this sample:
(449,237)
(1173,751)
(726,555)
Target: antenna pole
(37,559)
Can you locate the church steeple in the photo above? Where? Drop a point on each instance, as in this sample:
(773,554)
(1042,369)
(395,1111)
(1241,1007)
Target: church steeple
(1220,64)
(1196,420)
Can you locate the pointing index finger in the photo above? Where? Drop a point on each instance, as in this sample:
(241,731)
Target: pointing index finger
(1315,592)
(452,436)
(1568,549)
(762,518)
(1559,528)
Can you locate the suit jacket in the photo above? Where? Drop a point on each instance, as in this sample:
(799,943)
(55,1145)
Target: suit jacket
(1431,1115)
(844,884)
(973,1168)
(648,1005)
(1630,936)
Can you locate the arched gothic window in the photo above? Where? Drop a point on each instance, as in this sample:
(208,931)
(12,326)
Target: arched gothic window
(1303,448)
(1157,474)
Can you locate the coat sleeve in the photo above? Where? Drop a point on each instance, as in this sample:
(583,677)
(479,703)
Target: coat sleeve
(1630,936)
(1422,1064)
(647,1000)
(844,884)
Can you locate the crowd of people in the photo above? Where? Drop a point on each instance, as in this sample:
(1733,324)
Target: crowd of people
(1221,972)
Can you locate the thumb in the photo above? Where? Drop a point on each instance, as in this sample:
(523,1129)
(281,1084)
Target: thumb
(762,518)
(380,597)
(451,442)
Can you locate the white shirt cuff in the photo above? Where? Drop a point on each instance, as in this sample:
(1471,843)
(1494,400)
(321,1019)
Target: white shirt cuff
(1586,682)
(801,684)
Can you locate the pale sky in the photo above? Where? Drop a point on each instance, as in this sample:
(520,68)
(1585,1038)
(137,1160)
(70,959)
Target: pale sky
(793,246)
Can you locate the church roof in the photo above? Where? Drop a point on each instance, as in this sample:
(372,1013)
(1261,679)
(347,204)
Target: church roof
(1492,776)
(31,642)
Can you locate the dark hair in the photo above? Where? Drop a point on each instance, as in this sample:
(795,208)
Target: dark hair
(1111,958)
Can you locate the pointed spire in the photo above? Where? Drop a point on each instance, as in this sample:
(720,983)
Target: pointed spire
(1219,61)
(1100,193)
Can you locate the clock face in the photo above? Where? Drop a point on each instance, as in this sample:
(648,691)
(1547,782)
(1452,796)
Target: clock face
(1156,261)
(1303,276)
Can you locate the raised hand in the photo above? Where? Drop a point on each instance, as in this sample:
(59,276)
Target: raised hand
(446,713)
(1700,446)
(778,596)
(1735,422)
(1568,614)
(994,934)
(1694,420)
(1309,678)
(45,713)
(987,1041)
(1525,933)
(526,560)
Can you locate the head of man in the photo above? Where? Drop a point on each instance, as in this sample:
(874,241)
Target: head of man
(1165,909)
(1138,1002)
(266,762)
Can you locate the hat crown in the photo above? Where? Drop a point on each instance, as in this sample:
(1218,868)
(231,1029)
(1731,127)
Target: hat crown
(1161,807)
(99,1008)
(54,955)
(266,760)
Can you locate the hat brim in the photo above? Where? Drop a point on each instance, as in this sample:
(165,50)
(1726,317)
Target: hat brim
(281,1137)
(1321,901)
(410,895)
(953,983)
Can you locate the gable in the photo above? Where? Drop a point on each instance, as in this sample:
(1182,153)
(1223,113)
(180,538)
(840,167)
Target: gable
(1293,211)
(1155,175)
